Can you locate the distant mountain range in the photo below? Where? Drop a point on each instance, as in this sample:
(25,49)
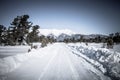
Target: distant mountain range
(61,34)
(56,32)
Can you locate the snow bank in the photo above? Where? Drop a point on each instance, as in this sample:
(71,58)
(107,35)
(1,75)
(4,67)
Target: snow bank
(6,51)
(105,60)
(102,59)
(88,58)
(10,63)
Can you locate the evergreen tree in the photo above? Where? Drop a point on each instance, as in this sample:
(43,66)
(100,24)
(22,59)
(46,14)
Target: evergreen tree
(19,30)
(44,41)
(116,37)
(110,43)
(33,35)
(2,34)
(81,38)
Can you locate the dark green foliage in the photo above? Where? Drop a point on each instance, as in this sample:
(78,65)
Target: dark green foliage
(98,39)
(86,44)
(110,43)
(81,38)
(19,29)
(66,40)
(50,39)
(44,42)
(41,37)
(116,37)
(2,34)
(33,35)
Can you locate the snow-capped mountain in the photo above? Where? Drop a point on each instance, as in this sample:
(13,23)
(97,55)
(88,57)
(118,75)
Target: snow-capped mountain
(60,35)
(55,32)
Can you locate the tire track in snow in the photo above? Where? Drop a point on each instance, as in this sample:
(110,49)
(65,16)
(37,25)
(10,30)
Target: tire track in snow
(47,66)
(74,71)
(57,64)
(74,76)
(34,60)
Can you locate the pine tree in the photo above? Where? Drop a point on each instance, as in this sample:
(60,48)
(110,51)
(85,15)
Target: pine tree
(116,37)
(44,42)
(19,30)
(2,34)
(110,43)
(33,35)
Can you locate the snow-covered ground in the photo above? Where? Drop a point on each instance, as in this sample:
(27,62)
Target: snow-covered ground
(60,61)
(116,47)
(12,50)
(105,60)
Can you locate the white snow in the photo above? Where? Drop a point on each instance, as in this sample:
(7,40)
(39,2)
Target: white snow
(58,61)
(116,47)
(104,59)
(10,63)
(54,62)
(56,32)
(12,50)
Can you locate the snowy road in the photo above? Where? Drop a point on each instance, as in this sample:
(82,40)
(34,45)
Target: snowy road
(56,63)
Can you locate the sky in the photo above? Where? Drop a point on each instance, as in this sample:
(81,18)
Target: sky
(82,16)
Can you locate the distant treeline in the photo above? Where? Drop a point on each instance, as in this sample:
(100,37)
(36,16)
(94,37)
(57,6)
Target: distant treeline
(111,39)
(114,37)
(21,32)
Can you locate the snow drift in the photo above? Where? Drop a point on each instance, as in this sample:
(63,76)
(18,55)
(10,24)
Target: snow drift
(108,62)
(10,63)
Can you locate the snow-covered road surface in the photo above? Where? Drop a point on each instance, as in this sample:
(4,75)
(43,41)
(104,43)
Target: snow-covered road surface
(57,62)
